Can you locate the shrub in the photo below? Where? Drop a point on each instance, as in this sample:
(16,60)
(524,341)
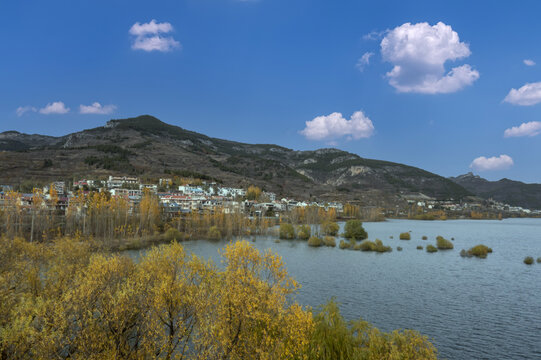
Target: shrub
(344,245)
(480,251)
(443,244)
(214,233)
(335,338)
(419,247)
(287,231)
(354,230)
(366,245)
(173,234)
(315,241)
(304,232)
(528,260)
(431,248)
(330,228)
(329,241)
(405,236)
(399,248)
(425,237)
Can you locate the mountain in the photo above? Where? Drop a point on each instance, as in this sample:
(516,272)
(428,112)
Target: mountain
(148,147)
(511,192)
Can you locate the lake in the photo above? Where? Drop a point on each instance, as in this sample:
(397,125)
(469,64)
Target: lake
(470,308)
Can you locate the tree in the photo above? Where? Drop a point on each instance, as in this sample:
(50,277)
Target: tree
(354,230)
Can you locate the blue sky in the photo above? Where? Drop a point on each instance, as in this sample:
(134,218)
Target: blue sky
(258,71)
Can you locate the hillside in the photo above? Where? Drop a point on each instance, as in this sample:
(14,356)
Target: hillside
(148,147)
(511,192)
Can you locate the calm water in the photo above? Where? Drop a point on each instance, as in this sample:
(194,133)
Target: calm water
(470,308)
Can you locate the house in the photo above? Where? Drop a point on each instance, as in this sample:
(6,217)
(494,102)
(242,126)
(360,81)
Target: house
(120,181)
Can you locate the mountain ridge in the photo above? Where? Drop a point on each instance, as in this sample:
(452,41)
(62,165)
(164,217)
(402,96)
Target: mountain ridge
(512,192)
(146,146)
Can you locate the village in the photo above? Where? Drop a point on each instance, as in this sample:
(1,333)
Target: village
(184,197)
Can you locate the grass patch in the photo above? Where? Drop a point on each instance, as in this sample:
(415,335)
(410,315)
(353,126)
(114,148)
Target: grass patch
(329,241)
(419,247)
(431,249)
(344,245)
(480,251)
(443,244)
(425,237)
(376,246)
(528,260)
(315,241)
(405,236)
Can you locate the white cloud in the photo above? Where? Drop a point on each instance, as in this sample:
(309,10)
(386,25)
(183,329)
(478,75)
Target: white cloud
(96,108)
(501,162)
(150,28)
(419,52)
(531,128)
(56,107)
(334,126)
(364,61)
(529,94)
(374,35)
(529,62)
(21,110)
(147,37)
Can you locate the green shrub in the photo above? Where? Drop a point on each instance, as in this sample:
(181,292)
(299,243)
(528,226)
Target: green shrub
(405,236)
(443,244)
(528,260)
(315,241)
(419,247)
(480,251)
(329,241)
(344,245)
(431,248)
(354,230)
(304,232)
(330,228)
(287,231)
(425,237)
(214,233)
(399,248)
(173,234)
